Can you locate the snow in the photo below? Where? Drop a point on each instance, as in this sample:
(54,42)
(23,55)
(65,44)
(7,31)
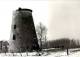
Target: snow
(72,53)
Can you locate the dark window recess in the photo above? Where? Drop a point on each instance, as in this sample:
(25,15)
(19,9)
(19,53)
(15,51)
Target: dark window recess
(14,26)
(14,37)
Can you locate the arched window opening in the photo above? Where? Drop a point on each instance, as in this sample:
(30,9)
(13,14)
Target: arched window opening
(14,37)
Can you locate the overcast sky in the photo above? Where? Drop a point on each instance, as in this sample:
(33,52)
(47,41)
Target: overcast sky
(64,20)
(61,17)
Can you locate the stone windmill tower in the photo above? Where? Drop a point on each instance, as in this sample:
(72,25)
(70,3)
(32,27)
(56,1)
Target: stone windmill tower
(23,35)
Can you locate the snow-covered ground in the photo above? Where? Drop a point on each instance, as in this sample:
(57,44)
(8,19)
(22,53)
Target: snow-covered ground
(72,53)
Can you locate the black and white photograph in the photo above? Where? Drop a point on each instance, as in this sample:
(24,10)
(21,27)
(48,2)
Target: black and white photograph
(30,28)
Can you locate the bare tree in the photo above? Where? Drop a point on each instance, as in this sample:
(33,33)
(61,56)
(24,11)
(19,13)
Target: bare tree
(41,31)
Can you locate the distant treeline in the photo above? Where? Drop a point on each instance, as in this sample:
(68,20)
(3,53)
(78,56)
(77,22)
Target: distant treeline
(62,43)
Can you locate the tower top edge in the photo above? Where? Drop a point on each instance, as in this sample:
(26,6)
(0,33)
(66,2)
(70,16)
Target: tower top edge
(24,9)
